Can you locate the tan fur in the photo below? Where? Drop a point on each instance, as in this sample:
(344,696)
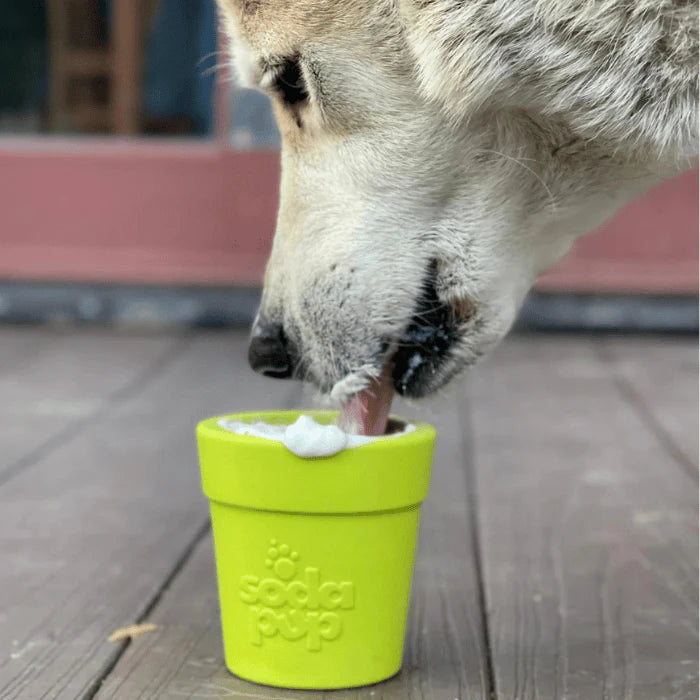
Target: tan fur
(483,135)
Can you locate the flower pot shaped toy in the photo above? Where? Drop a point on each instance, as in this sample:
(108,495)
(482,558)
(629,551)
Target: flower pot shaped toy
(314,557)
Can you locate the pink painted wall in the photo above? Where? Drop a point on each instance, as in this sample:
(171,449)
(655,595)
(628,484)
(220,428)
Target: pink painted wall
(141,212)
(200,213)
(650,246)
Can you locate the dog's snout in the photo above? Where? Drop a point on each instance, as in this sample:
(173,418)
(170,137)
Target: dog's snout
(268,352)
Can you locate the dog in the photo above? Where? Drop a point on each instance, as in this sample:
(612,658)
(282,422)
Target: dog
(437,156)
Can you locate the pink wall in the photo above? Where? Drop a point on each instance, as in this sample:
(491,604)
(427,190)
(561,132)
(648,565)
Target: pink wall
(650,246)
(189,213)
(143,211)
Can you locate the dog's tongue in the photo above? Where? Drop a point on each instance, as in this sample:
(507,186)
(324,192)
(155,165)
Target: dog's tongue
(367,412)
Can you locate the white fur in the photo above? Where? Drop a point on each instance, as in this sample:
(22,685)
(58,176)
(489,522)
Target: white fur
(487,135)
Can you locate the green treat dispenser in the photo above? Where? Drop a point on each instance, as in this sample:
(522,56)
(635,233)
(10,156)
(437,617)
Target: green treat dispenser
(314,557)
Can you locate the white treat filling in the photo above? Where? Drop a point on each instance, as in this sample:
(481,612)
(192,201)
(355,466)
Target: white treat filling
(306,437)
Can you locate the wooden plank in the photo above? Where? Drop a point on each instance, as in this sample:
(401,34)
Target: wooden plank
(588,532)
(88,62)
(444,657)
(127,68)
(659,376)
(91,118)
(58,29)
(93,531)
(20,344)
(63,381)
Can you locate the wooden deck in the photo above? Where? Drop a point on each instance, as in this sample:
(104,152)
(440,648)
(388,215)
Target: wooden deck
(558,555)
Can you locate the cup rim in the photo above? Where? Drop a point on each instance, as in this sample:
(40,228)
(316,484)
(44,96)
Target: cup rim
(383,475)
(423,431)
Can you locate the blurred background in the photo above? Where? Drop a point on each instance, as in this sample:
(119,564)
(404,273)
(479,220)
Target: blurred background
(139,185)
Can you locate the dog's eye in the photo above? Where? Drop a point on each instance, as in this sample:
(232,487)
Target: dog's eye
(289,83)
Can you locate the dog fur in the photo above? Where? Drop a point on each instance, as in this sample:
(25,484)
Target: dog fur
(480,136)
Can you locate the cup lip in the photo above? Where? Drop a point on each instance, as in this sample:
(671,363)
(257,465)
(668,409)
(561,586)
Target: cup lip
(423,431)
(381,476)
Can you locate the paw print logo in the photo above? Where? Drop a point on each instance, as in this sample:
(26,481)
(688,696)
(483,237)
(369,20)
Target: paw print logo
(282,560)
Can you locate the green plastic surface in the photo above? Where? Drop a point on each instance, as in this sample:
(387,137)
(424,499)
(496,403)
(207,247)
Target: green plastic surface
(314,556)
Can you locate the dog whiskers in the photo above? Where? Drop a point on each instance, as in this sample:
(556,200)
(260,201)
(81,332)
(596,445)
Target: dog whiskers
(518,161)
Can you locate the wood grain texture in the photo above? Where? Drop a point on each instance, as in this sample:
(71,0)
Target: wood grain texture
(94,530)
(588,530)
(444,659)
(557,460)
(659,377)
(53,383)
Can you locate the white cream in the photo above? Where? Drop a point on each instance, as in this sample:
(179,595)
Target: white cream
(306,437)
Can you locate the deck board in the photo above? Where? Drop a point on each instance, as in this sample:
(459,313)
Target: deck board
(19,345)
(659,376)
(93,531)
(444,657)
(53,384)
(564,492)
(587,528)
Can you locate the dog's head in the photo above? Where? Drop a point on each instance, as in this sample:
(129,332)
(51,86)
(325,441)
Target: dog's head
(403,233)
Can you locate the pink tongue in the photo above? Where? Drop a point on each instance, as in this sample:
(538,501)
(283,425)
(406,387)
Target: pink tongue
(367,413)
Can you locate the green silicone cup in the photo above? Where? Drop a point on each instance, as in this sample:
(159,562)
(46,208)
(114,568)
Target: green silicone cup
(314,556)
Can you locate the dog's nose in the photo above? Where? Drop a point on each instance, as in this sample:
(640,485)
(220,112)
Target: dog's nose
(268,353)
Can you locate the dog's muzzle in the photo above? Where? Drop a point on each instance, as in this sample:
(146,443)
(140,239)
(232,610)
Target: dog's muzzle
(427,341)
(269,353)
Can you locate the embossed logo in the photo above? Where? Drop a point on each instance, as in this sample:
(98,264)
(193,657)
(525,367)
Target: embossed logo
(294,604)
